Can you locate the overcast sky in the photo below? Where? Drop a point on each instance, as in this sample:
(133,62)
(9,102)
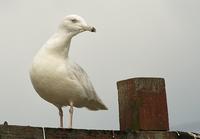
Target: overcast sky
(135,38)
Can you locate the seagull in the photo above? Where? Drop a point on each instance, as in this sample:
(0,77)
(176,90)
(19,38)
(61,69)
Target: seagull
(58,79)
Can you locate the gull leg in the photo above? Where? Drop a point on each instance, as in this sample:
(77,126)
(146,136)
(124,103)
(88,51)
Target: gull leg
(71,110)
(61,116)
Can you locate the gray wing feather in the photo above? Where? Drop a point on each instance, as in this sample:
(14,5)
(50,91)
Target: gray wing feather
(94,102)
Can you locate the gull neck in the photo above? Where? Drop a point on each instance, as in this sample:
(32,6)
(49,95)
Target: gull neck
(59,43)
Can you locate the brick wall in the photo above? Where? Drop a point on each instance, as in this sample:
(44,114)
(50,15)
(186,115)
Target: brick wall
(27,132)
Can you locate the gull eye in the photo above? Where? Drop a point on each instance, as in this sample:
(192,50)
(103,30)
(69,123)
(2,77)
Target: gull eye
(74,20)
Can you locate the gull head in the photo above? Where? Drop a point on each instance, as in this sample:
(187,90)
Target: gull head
(75,24)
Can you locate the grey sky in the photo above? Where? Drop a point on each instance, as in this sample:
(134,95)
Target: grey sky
(158,38)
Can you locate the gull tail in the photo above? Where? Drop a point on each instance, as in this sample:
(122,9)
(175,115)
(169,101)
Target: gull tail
(96,105)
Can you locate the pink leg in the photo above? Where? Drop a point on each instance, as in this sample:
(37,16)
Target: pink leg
(71,110)
(61,116)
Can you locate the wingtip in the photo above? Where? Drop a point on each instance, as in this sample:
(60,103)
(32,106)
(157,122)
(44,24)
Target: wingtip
(104,107)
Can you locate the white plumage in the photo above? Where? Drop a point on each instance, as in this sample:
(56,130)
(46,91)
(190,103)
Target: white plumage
(59,80)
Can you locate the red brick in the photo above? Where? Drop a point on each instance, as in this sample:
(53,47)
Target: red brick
(143,104)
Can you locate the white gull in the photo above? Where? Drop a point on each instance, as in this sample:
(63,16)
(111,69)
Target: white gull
(59,80)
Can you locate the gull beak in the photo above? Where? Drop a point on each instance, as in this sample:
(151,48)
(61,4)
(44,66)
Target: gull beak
(93,29)
(89,28)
